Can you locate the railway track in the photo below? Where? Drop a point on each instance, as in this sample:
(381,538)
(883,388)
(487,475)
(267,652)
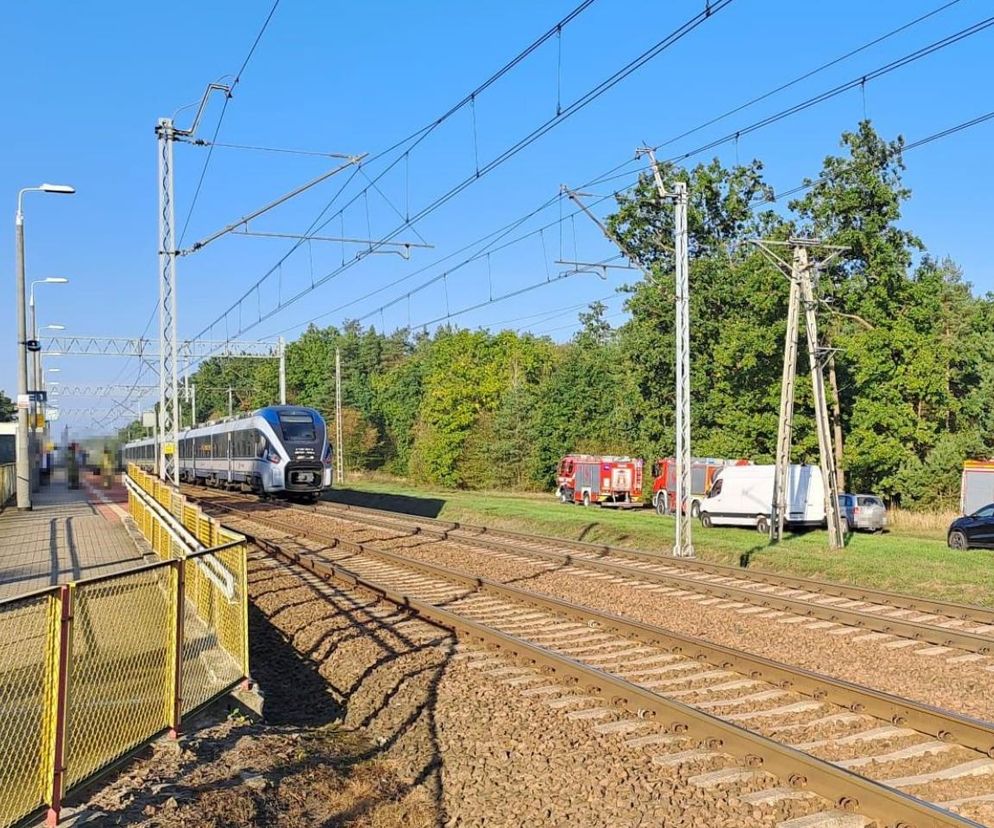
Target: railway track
(945,624)
(731,717)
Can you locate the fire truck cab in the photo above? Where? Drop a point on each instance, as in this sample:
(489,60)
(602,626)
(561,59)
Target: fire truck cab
(606,480)
(702,472)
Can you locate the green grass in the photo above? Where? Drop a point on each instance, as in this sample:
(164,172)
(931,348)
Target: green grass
(917,564)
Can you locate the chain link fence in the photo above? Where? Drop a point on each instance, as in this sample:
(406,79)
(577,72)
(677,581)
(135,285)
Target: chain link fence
(91,670)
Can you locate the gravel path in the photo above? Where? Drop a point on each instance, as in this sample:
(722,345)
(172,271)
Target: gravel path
(945,679)
(902,754)
(449,721)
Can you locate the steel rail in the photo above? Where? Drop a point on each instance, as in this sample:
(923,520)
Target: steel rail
(916,630)
(890,807)
(913,630)
(969,612)
(941,724)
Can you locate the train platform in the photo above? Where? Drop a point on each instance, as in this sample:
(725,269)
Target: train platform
(68,535)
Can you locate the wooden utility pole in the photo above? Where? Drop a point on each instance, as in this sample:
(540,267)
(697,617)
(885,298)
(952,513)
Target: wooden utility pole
(802,295)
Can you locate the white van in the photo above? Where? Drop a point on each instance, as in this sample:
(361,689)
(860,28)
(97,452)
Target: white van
(743,496)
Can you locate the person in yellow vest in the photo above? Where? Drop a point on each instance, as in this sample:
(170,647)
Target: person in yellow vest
(107,468)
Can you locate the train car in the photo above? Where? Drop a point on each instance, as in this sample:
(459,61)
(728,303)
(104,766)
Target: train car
(278,450)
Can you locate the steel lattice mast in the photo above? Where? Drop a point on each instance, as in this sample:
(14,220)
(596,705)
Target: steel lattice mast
(683,546)
(168,381)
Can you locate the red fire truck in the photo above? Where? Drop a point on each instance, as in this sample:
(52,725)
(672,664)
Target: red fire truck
(702,472)
(587,478)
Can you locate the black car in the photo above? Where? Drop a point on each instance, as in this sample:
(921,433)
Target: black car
(973,530)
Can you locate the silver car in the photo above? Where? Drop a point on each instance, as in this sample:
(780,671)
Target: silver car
(863,511)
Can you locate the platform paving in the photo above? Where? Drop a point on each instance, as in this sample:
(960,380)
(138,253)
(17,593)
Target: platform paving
(68,535)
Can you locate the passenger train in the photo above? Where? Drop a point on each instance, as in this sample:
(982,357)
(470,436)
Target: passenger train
(280,449)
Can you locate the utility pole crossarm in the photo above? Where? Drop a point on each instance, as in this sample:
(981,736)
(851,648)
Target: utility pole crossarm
(609,234)
(244,220)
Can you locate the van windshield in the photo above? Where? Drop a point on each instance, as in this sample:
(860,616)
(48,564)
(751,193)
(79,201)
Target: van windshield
(297,428)
(869,501)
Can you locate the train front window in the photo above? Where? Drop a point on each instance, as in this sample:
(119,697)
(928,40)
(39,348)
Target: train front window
(298,428)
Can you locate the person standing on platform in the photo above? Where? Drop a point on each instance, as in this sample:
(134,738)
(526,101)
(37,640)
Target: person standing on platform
(107,468)
(72,466)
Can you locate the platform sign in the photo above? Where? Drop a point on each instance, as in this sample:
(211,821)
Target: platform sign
(23,401)
(148,419)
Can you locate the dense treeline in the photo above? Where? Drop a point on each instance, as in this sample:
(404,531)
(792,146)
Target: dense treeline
(910,377)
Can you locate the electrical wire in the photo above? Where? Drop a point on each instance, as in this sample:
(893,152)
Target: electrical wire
(220,120)
(680,32)
(610,176)
(777,197)
(285,150)
(920,142)
(416,137)
(448,315)
(547,331)
(810,73)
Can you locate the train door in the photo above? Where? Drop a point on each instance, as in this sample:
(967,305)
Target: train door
(228,435)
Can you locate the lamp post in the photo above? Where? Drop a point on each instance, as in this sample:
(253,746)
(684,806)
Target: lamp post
(23,452)
(38,406)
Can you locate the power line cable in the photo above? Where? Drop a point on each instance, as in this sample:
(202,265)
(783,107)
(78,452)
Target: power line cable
(220,120)
(203,142)
(920,142)
(609,175)
(855,83)
(684,29)
(812,72)
(794,190)
(416,137)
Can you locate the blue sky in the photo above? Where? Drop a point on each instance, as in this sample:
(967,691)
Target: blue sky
(88,82)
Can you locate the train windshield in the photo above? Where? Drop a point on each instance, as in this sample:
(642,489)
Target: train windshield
(298,428)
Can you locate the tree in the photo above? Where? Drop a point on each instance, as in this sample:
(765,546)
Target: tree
(911,376)
(582,404)
(8,411)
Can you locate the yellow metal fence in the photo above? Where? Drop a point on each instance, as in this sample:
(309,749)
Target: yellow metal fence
(93,669)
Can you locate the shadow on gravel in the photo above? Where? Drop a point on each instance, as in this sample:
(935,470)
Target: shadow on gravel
(430,507)
(296,693)
(321,657)
(538,573)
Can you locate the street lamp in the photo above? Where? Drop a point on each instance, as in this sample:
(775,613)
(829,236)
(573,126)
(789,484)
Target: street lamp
(48,280)
(23,454)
